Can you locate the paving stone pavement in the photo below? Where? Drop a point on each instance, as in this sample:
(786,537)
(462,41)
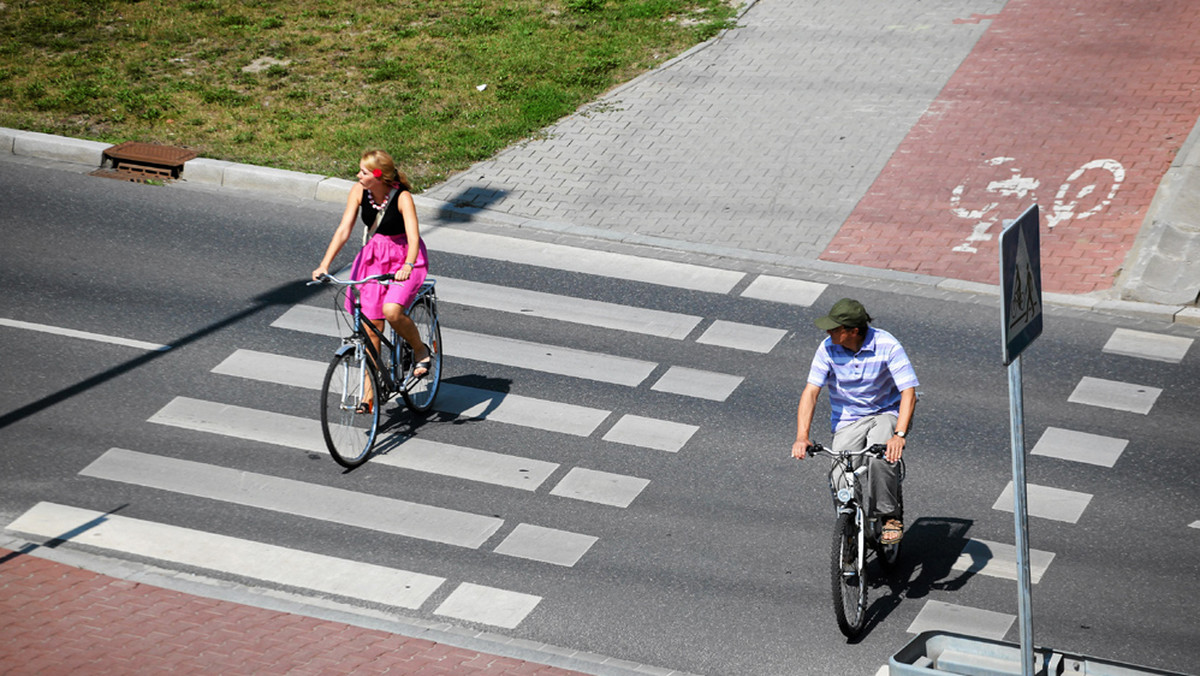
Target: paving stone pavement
(764,139)
(894,135)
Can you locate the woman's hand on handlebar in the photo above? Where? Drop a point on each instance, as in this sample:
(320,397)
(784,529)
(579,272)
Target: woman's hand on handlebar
(319,272)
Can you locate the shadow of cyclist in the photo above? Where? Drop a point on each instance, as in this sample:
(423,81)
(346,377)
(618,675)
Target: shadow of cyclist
(932,546)
(463,400)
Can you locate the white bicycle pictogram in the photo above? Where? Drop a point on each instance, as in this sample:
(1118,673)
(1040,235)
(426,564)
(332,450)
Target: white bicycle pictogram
(1079,190)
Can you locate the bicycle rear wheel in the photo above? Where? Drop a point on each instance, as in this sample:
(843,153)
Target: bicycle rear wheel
(419,393)
(848,577)
(350,434)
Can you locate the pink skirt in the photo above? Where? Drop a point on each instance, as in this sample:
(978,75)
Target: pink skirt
(386,253)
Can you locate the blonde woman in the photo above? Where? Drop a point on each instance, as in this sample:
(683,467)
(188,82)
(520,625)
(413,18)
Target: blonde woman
(383,195)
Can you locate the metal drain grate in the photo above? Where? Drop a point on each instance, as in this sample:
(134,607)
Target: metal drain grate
(140,162)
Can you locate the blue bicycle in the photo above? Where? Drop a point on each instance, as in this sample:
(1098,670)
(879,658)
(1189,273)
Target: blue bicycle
(361,378)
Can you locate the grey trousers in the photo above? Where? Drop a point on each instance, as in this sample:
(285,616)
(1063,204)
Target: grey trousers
(883,478)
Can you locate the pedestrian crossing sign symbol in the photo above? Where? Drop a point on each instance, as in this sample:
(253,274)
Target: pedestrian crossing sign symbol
(1021,283)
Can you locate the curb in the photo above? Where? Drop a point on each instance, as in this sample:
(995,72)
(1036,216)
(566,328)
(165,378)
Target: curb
(220,173)
(1164,263)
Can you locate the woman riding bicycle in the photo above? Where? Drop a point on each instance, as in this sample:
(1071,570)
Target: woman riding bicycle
(382,198)
(872,394)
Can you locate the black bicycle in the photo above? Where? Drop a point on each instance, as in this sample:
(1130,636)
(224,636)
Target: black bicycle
(857,535)
(360,379)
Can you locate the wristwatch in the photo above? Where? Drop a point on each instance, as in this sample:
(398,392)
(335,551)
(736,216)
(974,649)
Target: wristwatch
(901,434)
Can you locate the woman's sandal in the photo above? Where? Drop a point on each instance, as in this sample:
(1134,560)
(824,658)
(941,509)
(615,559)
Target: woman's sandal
(421,369)
(893,530)
(365,407)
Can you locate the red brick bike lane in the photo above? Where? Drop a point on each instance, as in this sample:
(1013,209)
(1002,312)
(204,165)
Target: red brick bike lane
(59,619)
(1077,105)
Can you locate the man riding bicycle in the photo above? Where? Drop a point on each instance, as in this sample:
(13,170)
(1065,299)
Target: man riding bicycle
(872,394)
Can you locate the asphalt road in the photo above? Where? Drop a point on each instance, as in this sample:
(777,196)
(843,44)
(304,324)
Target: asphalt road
(719,565)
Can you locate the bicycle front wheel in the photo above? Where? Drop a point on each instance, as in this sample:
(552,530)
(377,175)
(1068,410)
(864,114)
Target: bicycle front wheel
(848,577)
(419,393)
(350,408)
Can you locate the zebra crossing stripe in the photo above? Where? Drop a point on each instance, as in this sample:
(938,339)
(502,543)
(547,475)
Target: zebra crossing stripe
(939,616)
(1115,395)
(1047,502)
(514,409)
(566,309)
(497,350)
(245,558)
(784,290)
(1000,560)
(588,261)
(1080,447)
(460,400)
(411,453)
(697,383)
(1146,345)
(476,603)
(314,501)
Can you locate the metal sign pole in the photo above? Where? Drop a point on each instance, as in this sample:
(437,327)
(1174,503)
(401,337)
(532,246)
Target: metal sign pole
(1021,515)
(1021,285)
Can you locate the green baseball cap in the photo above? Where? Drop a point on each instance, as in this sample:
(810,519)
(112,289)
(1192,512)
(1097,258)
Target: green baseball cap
(845,312)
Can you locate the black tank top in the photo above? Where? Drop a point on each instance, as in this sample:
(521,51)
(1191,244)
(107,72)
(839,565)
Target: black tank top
(393,220)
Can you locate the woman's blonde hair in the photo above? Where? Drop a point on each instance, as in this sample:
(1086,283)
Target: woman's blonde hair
(379,159)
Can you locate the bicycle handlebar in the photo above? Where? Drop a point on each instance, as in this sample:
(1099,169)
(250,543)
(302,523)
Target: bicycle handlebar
(330,279)
(876,450)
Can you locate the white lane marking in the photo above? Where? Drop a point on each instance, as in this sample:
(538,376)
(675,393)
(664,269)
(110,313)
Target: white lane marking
(1047,502)
(488,605)
(939,616)
(587,261)
(460,400)
(661,435)
(494,349)
(471,464)
(606,488)
(188,547)
(749,337)
(1000,560)
(304,434)
(548,545)
(514,409)
(314,501)
(1194,524)
(566,309)
(697,383)
(554,359)
(273,368)
(85,335)
(1146,345)
(1115,395)
(784,290)
(1080,447)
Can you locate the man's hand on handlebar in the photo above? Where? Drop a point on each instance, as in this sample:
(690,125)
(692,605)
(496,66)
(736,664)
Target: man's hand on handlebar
(895,448)
(800,448)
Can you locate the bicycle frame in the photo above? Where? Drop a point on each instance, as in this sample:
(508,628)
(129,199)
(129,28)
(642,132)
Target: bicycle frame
(398,349)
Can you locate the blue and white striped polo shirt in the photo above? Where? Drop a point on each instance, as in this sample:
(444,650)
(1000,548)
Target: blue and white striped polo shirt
(863,383)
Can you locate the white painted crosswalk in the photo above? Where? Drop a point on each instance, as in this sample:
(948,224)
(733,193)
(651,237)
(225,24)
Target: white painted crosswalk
(304,434)
(313,501)
(343,578)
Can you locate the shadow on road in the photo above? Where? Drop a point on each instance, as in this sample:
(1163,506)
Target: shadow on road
(929,551)
(286,294)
